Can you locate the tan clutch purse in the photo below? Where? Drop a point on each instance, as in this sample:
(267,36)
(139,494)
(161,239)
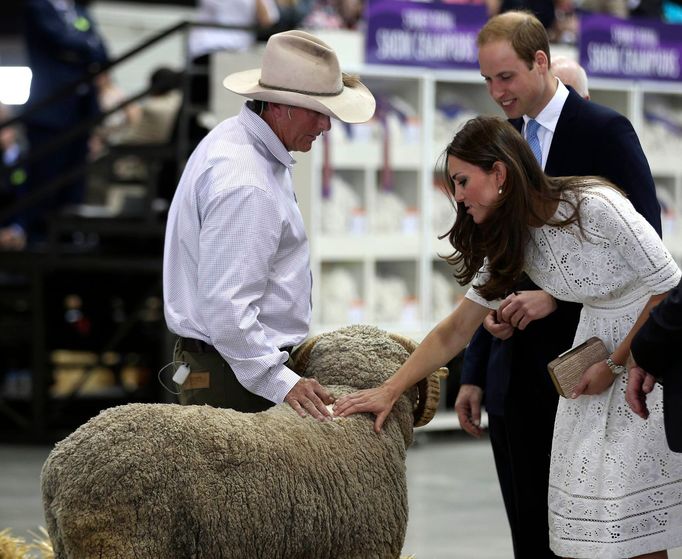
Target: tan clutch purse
(567,369)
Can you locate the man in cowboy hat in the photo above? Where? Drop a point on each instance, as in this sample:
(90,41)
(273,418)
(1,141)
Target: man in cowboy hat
(236,272)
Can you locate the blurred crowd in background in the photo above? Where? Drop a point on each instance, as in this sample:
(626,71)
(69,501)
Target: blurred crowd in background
(62,43)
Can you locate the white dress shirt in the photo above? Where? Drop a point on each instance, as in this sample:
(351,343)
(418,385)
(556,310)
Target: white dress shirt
(236,270)
(548,119)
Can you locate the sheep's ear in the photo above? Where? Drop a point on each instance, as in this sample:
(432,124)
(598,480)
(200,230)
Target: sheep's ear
(428,389)
(300,357)
(409,344)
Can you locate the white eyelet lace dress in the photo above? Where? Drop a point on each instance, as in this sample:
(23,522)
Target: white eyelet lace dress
(615,487)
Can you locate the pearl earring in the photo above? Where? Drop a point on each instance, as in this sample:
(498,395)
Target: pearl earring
(499,191)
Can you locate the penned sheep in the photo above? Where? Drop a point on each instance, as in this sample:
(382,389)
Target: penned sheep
(162,480)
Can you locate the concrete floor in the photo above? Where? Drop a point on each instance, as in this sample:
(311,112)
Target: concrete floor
(456,509)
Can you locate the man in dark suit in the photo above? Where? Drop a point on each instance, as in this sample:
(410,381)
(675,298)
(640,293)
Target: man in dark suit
(62,44)
(573,137)
(654,351)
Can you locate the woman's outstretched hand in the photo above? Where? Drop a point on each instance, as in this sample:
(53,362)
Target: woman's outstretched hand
(378,401)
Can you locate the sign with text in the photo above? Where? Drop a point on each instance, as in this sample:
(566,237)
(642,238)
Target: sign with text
(635,48)
(435,35)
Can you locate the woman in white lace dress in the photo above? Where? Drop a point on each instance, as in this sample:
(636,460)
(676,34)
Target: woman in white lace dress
(615,487)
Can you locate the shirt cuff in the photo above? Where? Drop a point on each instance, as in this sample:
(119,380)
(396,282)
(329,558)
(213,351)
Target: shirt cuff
(284,381)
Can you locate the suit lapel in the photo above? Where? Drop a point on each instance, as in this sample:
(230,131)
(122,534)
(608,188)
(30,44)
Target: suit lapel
(563,143)
(562,146)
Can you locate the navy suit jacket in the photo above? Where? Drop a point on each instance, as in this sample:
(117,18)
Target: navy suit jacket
(589,139)
(62,45)
(656,349)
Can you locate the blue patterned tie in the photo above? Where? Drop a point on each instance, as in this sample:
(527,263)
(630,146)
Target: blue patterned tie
(532,138)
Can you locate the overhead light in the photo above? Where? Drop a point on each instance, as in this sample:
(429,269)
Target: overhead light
(15,84)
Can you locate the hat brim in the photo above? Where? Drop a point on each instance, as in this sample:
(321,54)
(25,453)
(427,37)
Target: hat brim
(353,105)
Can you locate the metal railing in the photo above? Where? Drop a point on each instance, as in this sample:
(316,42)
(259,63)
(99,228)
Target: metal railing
(40,192)
(37,271)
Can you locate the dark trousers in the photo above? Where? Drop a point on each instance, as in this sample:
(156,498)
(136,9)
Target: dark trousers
(64,159)
(211,381)
(522,441)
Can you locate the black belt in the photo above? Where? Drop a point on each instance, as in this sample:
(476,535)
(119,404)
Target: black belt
(195,346)
(199,346)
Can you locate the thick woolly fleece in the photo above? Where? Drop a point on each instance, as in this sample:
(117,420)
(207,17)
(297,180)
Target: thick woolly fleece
(166,481)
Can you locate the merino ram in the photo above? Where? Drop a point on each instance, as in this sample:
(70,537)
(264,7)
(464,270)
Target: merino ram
(162,480)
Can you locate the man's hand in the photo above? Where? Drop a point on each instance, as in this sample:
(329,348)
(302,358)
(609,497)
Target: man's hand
(640,383)
(523,307)
(468,408)
(500,330)
(309,397)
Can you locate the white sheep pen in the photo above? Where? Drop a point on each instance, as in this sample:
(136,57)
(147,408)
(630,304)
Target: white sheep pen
(163,481)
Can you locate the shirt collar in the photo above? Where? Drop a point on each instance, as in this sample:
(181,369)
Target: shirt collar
(262,130)
(549,116)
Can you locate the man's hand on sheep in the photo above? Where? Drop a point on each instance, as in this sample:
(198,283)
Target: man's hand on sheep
(378,401)
(468,408)
(309,397)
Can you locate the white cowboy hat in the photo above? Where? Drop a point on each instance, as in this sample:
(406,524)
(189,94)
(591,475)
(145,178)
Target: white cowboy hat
(299,69)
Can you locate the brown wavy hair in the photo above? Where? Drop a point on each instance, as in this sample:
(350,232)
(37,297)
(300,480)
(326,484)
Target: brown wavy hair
(527,196)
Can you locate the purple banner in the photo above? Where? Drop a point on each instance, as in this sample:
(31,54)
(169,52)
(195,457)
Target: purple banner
(637,49)
(435,35)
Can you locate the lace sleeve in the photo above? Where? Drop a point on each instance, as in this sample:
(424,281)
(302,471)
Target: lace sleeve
(608,217)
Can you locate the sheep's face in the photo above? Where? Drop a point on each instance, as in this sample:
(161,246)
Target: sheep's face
(356,356)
